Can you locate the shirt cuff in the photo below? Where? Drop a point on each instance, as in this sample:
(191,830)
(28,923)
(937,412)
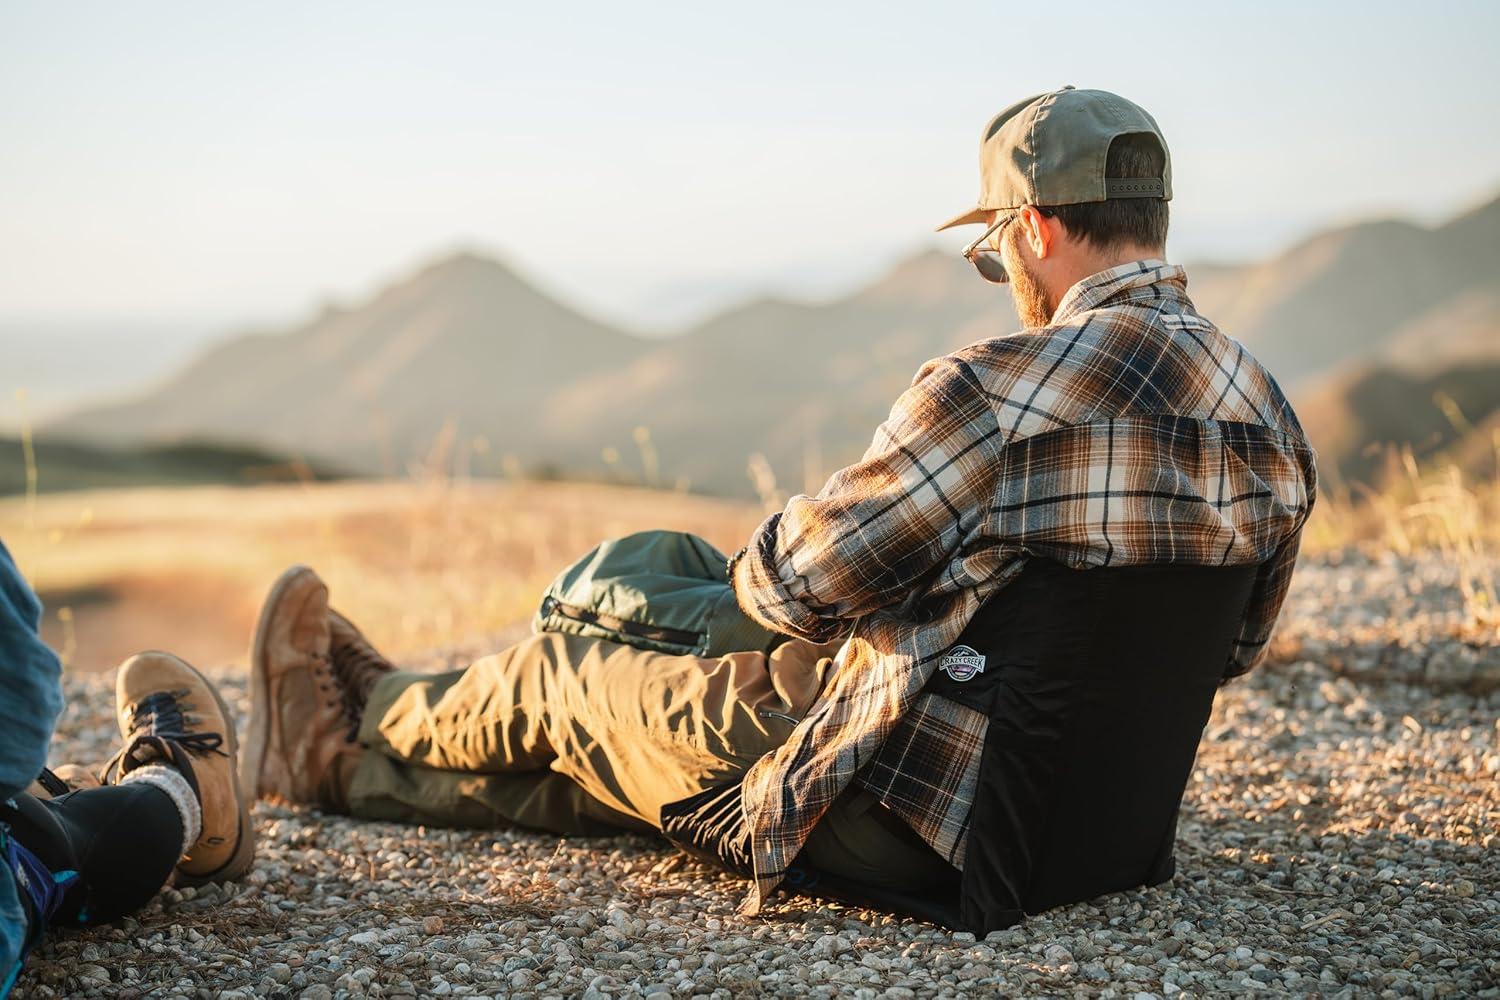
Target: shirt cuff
(763,596)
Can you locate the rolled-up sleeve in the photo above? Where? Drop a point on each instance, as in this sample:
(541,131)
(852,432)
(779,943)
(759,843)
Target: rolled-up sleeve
(879,528)
(1272,582)
(30,690)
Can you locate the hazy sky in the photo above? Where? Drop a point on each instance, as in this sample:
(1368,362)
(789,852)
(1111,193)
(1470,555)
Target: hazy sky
(210,164)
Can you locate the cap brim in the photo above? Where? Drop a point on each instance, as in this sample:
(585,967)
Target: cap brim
(969,218)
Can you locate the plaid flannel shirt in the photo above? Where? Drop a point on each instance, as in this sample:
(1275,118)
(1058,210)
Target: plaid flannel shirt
(1130,431)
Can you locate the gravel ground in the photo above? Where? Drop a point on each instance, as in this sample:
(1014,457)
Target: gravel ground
(1338,837)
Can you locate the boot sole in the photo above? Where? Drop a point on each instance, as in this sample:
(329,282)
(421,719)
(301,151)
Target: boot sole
(258,731)
(244,852)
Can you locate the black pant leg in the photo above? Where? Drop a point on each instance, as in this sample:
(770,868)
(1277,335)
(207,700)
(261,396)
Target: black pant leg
(122,840)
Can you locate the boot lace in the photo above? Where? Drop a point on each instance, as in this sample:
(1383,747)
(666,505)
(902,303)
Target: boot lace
(354,666)
(159,733)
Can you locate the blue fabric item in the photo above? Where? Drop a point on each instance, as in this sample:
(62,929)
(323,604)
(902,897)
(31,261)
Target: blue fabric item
(43,889)
(12,931)
(30,701)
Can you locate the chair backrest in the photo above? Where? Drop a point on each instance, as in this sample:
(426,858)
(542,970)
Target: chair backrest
(1098,684)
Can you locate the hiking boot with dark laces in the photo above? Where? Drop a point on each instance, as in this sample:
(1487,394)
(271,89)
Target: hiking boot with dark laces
(171,715)
(356,667)
(311,672)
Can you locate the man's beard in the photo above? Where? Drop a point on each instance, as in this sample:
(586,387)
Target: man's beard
(1033,304)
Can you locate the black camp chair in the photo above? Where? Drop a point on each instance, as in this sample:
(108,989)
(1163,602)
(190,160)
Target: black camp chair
(1098,684)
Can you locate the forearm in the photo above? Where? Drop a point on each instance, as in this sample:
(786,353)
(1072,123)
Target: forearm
(879,528)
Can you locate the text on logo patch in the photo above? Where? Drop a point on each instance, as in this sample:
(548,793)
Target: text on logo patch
(962,663)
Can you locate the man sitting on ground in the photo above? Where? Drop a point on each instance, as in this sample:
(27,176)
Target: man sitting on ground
(1119,428)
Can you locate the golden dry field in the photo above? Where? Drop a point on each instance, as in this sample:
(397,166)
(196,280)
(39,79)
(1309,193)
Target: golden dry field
(417,565)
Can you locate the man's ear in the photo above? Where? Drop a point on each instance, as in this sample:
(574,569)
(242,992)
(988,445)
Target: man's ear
(1038,230)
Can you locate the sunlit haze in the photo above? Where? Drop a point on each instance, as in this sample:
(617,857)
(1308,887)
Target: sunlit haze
(206,166)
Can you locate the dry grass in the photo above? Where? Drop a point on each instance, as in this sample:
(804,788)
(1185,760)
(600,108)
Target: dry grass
(1423,508)
(419,565)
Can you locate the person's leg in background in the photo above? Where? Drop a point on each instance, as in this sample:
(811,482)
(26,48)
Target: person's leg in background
(630,728)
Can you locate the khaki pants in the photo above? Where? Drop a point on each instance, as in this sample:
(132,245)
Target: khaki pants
(585,736)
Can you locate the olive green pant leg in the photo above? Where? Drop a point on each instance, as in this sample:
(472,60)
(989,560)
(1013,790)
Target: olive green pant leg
(634,729)
(384,788)
(475,793)
(582,736)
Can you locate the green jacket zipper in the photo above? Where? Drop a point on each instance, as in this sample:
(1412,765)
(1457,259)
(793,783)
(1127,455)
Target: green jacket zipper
(655,633)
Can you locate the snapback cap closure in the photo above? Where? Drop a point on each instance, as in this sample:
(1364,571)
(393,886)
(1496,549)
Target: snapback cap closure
(1134,187)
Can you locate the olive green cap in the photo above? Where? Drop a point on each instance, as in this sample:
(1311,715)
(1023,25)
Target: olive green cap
(1050,150)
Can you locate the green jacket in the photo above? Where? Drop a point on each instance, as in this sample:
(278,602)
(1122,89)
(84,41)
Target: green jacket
(661,590)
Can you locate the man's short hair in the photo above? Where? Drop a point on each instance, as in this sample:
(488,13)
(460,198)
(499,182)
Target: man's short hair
(1122,221)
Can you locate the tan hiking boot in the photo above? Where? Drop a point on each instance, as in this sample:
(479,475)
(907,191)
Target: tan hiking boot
(172,716)
(310,673)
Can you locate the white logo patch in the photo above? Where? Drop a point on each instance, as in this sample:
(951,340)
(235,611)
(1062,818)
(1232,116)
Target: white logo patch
(962,663)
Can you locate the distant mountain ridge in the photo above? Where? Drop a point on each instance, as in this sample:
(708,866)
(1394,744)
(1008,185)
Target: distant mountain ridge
(462,340)
(64,465)
(467,353)
(1351,294)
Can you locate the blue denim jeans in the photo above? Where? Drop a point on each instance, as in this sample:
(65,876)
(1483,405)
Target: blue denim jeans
(30,700)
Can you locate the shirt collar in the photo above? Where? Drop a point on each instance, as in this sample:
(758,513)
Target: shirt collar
(1098,288)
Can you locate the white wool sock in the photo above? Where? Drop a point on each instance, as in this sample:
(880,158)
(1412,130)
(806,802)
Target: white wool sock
(176,786)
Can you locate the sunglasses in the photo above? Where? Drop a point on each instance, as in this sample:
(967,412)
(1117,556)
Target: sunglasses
(986,260)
